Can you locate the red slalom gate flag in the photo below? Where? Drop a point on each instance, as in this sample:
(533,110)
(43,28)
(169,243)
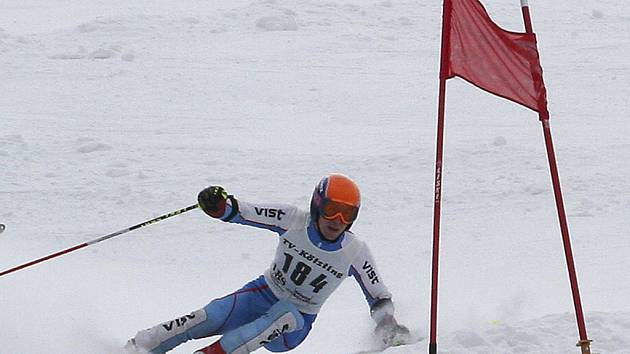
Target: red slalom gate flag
(506,64)
(501,62)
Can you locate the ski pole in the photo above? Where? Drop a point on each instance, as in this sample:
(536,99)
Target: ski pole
(102,238)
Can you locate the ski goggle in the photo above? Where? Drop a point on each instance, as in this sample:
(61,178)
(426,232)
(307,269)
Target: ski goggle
(330,210)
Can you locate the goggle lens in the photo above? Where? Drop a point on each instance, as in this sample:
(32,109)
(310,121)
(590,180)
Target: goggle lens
(331,210)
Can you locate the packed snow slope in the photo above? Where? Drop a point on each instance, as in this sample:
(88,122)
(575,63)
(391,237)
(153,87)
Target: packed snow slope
(114,112)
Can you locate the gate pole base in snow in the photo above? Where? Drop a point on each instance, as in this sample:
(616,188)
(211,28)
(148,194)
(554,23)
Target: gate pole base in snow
(585,345)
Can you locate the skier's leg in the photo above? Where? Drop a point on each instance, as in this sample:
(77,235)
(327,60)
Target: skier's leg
(282,318)
(165,336)
(291,340)
(217,317)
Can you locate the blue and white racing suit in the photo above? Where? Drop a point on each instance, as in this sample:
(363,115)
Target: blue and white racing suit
(276,310)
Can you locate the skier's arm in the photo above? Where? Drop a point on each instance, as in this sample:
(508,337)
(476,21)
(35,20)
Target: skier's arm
(379,298)
(215,202)
(368,277)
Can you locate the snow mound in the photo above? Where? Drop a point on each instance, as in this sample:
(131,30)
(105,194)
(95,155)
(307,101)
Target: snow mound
(555,333)
(277,23)
(93,147)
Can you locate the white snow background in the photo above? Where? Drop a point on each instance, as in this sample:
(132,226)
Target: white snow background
(114,112)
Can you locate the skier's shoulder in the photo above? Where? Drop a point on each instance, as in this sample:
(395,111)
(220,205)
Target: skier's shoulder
(300,219)
(352,244)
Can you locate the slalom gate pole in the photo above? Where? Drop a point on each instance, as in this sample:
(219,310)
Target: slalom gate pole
(437,200)
(584,343)
(100,239)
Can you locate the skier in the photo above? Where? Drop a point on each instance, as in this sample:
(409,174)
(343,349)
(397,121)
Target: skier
(315,253)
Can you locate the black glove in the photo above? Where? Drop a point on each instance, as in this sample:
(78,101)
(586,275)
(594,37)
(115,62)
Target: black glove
(212,201)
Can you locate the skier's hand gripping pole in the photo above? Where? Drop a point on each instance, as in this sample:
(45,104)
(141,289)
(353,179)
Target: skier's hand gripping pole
(100,239)
(212,201)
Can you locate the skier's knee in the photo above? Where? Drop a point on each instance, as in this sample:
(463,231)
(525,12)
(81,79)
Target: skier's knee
(277,348)
(282,318)
(282,308)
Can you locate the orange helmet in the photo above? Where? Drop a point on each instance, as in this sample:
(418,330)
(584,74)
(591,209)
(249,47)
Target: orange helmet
(336,196)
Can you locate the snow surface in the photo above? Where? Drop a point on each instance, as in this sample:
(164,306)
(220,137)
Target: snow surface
(114,112)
